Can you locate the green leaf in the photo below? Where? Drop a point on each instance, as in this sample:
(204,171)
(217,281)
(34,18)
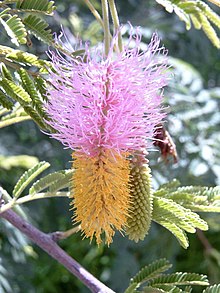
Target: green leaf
(14,27)
(9,162)
(15,91)
(36,6)
(62,182)
(209,13)
(166,288)
(41,86)
(26,58)
(209,31)
(175,230)
(178,279)
(132,288)
(175,218)
(198,12)
(35,116)
(5,102)
(212,289)
(151,271)
(5,72)
(195,198)
(153,290)
(9,120)
(29,86)
(47,181)
(29,176)
(39,28)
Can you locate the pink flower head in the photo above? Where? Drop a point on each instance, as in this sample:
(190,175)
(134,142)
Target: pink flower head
(108,102)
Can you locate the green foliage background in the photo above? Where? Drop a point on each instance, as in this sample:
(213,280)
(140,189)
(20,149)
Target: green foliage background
(193,122)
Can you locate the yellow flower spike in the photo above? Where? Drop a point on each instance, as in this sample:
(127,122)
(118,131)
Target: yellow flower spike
(101,194)
(140,212)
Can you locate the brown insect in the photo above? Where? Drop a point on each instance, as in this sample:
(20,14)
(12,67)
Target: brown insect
(164,142)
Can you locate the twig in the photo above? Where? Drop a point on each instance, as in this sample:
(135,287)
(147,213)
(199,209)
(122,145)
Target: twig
(94,12)
(30,197)
(204,240)
(58,235)
(45,242)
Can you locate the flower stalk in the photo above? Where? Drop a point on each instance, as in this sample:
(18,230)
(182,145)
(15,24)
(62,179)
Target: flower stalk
(116,23)
(94,12)
(105,15)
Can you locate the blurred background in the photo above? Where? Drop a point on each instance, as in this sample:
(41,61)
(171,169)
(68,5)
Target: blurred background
(193,121)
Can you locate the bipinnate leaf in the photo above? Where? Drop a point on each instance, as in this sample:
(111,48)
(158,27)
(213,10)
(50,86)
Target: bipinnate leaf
(176,219)
(39,28)
(28,84)
(29,176)
(212,289)
(179,279)
(15,116)
(197,12)
(36,6)
(15,91)
(14,27)
(52,179)
(5,101)
(175,230)
(153,278)
(63,182)
(151,271)
(132,288)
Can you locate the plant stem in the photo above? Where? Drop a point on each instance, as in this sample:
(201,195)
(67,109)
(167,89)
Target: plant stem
(94,12)
(115,19)
(46,242)
(31,197)
(204,240)
(106,26)
(58,235)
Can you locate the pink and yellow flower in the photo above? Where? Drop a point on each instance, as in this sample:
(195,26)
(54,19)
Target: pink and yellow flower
(105,109)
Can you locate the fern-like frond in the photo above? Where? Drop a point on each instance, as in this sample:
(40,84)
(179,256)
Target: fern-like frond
(15,91)
(175,230)
(176,218)
(197,12)
(36,6)
(51,179)
(27,96)
(5,72)
(166,288)
(132,288)
(153,278)
(14,27)
(5,101)
(25,58)
(39,28)
(212,289)
(209,30)
(152,290)
(29,176)
(15,116)
(174,208)
(195,198)
(63,182)
(28,84)
(151,271)
(35,116)
(179,279)
(41,86)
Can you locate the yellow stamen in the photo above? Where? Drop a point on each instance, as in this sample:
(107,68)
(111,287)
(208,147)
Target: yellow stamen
(101,194)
